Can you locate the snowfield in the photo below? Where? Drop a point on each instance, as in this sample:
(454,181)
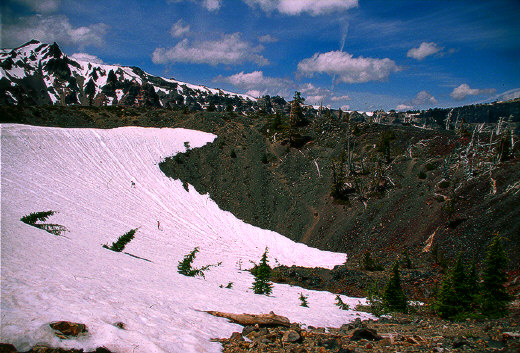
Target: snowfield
(102,183)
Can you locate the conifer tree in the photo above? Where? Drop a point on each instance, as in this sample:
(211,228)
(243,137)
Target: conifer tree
(455,298)
(296,115)
(460,284)
(340,304)
(303,300)
(393,296)
(262,273)
(494,298)
(184,267)
(472,283)
(121,242)
(446,304)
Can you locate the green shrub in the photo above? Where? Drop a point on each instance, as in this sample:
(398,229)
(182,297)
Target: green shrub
(340,304)
(422,175)
(374,301)
(121,242)
(185,268)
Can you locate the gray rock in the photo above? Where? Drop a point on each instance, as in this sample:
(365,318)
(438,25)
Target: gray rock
(290,336)
(236,336)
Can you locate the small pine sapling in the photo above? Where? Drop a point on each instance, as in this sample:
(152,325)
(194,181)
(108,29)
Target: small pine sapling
(34,217)
(185,266)
(303,300)
(228,286)
(121,242)
(340,304)
(42,216)
(457,294)
(262,273)
(393,296)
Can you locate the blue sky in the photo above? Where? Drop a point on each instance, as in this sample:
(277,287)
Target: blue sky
(361,55)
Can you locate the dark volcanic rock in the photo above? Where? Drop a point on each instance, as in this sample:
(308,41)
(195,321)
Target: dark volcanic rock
(365,334)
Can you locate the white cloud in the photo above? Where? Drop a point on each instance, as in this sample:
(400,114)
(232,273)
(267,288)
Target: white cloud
(178,29)
(210,5)
(314,93)
(255,93)
(402,107)
(339,98)
(347,68)
(424,50)
(229,50)
(254,81)
(297,7)
(50,29)
(267,39)
(87,57)
(41,6)
(461,92)
(511,94)
(316,99)
(424,97)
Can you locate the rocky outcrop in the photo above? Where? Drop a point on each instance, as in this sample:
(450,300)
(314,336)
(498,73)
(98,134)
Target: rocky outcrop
(400,333)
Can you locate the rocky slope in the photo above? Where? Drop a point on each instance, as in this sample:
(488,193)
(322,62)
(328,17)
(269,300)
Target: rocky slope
(399,333)
(435,194)
(433,197)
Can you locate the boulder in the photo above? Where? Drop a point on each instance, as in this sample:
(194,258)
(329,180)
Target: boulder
(7,348)
(67,329)
(291,336)
(365,333)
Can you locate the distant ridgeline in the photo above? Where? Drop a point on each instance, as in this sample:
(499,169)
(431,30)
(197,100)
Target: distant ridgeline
(478,113)
(41,74)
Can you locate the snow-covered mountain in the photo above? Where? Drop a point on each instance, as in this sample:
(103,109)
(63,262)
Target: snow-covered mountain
(101,184)
(38,73)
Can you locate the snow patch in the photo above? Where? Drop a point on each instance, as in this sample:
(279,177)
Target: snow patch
(103,183)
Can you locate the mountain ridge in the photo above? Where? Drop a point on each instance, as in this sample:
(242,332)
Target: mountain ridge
(37,73)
